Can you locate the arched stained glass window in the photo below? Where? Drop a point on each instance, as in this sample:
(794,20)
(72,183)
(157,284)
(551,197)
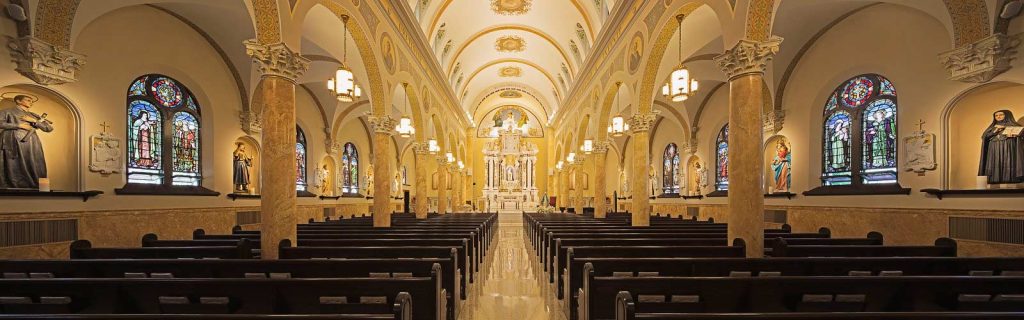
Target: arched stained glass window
(163,133)
(859,141)
(722,159)
(670,170)
(300,160)
(350,169)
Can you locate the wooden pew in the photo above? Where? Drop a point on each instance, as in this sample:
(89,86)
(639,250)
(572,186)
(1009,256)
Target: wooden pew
(474,241)
(464,255)
(944,247)
(804,294)
(82,249)
(400,313)
(223,296)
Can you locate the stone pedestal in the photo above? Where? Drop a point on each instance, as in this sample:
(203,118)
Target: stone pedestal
(383,129)
(442,186)
(275,94)
(641,124)
(600,181)
(745,65)
(422,151)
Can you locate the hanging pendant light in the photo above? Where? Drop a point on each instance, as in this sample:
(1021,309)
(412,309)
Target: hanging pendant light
(449,157)
(588,146)
(680,85)
(404,127)
(618,126)
(343,85)
(432,146)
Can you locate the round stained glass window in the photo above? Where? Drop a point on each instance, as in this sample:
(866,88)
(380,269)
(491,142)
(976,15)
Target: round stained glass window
(166,92)
(857,91)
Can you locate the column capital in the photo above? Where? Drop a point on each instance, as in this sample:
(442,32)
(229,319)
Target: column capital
(333,146)
(276,59)
(382,124)
(642,122)
(421,148)
(982,60)
(601,146)
(773,121)
(251,121)
(43,62)
(748,56)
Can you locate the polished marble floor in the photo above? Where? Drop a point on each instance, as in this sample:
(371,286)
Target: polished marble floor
(510,286)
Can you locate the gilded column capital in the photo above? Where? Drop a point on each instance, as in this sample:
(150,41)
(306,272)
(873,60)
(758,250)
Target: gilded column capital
(748,56)
(251,121)
(601,147)
(643,122)
(383,124)
(442,162)
(44,63)
(982,60)
(276,59)
(421,148)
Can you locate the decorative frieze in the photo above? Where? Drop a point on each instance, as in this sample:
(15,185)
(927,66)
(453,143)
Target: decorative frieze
(383,124)
(276,59)
(980,61)
(43,62)
(748,57)
(601,147)
(773,121)
(251,121)
(642,122)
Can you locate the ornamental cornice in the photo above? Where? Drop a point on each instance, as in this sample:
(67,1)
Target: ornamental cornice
(982,60)
(383,124)
(748,56)
(643,122)
(44,63)
(421,148)
(276,59)
(601,147)
(773,121)
(251,121)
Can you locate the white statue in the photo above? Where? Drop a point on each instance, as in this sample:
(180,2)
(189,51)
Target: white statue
(322,181)
(369,180)
(702,177)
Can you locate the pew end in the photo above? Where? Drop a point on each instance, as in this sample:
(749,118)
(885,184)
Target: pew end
(825,231)
(876,235)
(949,244)
(198,233)
(625,307)
(149,237)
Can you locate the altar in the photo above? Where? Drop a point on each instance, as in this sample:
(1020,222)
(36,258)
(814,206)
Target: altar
(510,165)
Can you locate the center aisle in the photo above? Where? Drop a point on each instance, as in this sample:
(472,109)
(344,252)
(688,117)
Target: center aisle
(510,285)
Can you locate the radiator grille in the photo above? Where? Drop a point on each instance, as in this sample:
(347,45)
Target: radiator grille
(329,212)
(692,212)
(247,217)
(20,233)
(987,229)
(775,216)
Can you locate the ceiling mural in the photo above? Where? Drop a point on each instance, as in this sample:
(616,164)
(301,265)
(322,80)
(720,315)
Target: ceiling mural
(510,43)
(511,7)
(509,72)
(509,117)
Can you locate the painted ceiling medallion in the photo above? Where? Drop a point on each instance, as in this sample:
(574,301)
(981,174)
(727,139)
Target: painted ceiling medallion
(510,7)
(511,94)
(510,44)
(510,72)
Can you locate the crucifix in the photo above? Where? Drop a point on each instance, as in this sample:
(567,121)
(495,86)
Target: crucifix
(104,125)
(920,125)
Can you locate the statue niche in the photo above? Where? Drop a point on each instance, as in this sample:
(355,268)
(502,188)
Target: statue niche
(39,138)
(1002,150)
(245,166)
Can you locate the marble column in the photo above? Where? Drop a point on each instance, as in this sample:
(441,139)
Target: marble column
(640,125)
(599,157)
(422,151)
(279,66)
(563,181)
(745,64)
(442,185)
(383,129)
(580,169)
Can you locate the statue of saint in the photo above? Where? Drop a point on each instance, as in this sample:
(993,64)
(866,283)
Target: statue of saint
(22,158)
(322,178)
(702,176)
(369,180)
(780,166)
(242,162)
(1002,150)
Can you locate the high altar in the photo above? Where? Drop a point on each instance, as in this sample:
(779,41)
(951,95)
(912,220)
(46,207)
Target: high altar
(511,172)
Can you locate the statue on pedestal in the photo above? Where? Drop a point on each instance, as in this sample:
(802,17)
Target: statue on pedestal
(780,167)
(241,163)
(323,181)
(369,180)
(21,151)
(1002,150)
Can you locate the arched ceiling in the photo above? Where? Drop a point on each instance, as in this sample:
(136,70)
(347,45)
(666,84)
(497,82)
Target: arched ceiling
(518,43)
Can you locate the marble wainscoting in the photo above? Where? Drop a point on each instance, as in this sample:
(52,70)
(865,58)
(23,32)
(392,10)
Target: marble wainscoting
(125,228)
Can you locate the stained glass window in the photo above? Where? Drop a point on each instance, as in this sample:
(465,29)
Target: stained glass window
(154,118)
(722,159)
(859,141)
(300,159)
(670,170)
(350,169)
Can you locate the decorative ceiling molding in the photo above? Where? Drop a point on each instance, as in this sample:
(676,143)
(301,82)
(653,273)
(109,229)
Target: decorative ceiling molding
(511,7)
(576,3)
(510,43)
(519,27)
(509,60)
(510,72)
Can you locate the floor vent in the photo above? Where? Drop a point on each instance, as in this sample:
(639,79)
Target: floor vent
(247,217)
(775,216)
(20,233)
(987,229)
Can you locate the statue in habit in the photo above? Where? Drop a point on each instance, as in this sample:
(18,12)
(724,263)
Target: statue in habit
(241,163)
(1002,150)
(22,158)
